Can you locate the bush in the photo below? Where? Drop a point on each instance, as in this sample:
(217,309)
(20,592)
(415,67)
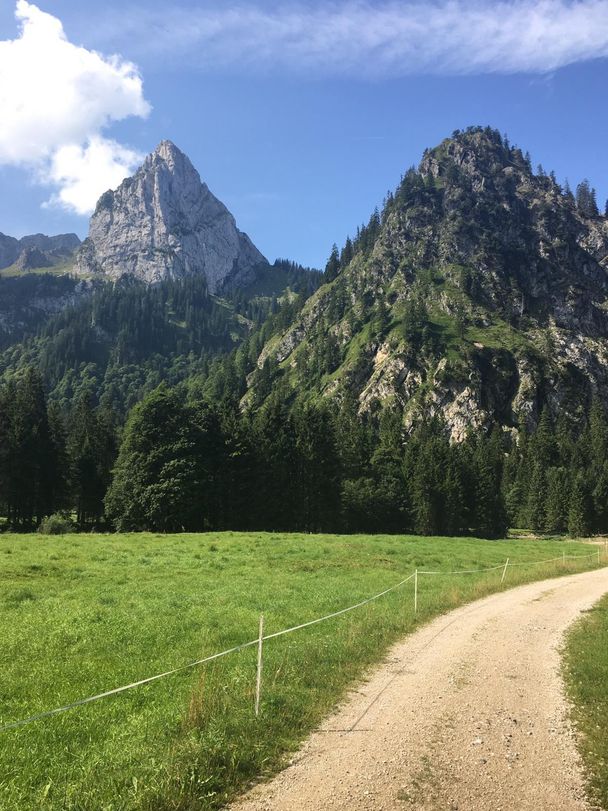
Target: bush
(56,524)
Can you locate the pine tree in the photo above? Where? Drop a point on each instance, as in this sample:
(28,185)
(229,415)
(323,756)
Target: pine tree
(92,450)
(579,508)
(4,449)
(61,478)
(425,465)
(32,466)
(586,202)
(556,501)
(332,268)
(347,253)
(318,469)
(490,514)
(389,501)
(537,494)
(600,499)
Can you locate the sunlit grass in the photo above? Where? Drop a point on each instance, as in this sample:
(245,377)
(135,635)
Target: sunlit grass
(586,669)
(83,613)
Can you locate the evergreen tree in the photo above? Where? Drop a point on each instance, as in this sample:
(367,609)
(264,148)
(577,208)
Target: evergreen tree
(537,494)
(32,465)
(61,477)
(490,515)
(92,451)
(579,507)
(318,505)
(332,268)
(157,478)
(347,253)
(425,464)
(555,510)
(586,201)
(4,449)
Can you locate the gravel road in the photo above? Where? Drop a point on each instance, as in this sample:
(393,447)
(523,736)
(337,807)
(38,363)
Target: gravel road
(466,714)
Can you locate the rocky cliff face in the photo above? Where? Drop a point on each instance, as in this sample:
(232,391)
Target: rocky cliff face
(37,251)
(9,250)
(479,294)
(165,223)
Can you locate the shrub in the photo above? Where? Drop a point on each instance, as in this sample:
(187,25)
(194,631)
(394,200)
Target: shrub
(56,524)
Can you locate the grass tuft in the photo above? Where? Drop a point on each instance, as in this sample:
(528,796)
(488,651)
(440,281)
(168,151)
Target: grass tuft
(586,672)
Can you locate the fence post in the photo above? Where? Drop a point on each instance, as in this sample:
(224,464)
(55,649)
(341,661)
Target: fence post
(258,681)
(416,591)
(504,571)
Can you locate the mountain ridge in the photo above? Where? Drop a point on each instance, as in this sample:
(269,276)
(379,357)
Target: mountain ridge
(37,251)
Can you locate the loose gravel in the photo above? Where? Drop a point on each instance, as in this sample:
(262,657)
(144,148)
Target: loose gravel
(466,714)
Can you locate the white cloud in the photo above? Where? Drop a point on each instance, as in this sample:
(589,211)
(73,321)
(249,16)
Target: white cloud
(366,39)
(83,173)
(56,100)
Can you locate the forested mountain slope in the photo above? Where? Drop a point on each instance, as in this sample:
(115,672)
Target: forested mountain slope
(121,339)
(479,294)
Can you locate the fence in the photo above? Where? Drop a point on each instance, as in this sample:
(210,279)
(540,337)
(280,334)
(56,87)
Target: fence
(261,638)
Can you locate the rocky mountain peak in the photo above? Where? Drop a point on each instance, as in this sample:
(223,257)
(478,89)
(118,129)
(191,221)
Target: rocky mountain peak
(167,151)
(479,294)
(164,222)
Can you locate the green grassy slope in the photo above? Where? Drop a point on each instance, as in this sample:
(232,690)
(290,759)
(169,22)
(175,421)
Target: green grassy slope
(586,670)
(82,614)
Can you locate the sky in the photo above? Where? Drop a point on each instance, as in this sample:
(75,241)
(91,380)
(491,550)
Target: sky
(300,116)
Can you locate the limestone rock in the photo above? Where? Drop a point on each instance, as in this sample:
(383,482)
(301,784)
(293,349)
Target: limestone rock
(9,250)
(32,258)
(165,223)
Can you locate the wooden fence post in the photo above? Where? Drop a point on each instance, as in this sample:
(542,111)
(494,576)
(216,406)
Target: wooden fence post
(504,571)
(416,591)
(258,681)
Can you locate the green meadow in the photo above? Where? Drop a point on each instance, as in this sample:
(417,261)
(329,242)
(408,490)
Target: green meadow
(81,614)
(586,670)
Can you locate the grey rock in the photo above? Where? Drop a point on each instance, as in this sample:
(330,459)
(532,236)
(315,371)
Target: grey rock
(9,250)
(58,244)
(33,258)
(165,223)
(37,250)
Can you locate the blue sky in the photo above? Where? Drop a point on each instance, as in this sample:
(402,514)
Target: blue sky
(298,116)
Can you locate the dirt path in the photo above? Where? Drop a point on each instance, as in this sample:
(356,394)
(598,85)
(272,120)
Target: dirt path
(467,713)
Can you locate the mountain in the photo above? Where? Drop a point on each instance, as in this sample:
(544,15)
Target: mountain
(164,283)
(164,223)
(37,252)
(35,282)
(479,294)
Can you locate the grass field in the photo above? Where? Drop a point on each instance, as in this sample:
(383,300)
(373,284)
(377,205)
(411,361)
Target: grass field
(83,613)
(586,670)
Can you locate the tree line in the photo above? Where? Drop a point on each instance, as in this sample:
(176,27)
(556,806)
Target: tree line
(49,463)
(184,463)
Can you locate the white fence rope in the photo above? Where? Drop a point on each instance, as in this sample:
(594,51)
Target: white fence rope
(117,690)
(463,571)
(141,682)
